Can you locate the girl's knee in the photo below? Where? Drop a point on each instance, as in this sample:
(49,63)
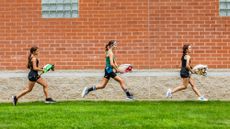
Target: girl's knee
(184,87)
(121,81)
(29,89)
(45,86)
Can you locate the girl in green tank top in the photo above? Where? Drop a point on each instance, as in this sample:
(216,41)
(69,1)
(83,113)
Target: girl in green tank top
(108,67)
(111,69)
(107,60)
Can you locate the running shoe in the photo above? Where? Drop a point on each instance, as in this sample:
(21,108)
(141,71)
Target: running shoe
(202,98)
(50,100)
(84,92)
(169,93)
(15,100)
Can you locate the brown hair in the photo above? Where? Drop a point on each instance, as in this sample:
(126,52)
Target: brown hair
(32,50)
(185,48)
(109,44)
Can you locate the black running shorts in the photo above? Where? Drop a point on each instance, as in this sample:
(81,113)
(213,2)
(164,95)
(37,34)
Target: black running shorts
(109,74)
(184,73)
(33,76)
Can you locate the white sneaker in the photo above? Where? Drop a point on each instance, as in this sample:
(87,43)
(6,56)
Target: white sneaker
(169,93)
(84,92)
(202,98)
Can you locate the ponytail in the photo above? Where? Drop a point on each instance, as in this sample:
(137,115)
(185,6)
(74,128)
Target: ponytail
(29,61)
(185,48)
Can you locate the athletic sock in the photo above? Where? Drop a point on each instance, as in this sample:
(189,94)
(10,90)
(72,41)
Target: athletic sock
(127,92)
(92,88)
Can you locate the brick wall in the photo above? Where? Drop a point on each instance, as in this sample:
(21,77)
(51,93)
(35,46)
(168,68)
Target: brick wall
(175,22)
(151,33)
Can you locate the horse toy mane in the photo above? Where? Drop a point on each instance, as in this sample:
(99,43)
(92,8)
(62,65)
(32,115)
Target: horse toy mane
(201,69)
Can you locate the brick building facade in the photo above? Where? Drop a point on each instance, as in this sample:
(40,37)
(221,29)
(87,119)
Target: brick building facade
(151,33)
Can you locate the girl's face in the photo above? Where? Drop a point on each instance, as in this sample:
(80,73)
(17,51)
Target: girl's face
(114,45)
(36,52)
(189,49)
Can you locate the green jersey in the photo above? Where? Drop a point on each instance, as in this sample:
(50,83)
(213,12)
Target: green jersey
(108,60)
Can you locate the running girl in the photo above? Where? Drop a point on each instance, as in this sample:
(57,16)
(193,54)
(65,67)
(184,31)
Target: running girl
(185,73)
(33,65)
(110,72)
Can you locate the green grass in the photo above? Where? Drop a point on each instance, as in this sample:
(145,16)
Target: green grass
(116,115)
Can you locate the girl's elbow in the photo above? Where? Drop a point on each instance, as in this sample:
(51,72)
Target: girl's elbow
(188,67)
(35,69)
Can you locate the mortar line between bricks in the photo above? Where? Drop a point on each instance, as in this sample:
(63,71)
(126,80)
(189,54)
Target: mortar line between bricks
(100,74)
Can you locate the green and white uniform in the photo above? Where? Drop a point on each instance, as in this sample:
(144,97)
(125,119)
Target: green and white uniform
(108,68)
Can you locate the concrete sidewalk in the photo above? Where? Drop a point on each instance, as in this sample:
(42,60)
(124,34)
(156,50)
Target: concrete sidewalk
(145,84)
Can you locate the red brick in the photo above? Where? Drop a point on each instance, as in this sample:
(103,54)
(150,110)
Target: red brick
(155,39)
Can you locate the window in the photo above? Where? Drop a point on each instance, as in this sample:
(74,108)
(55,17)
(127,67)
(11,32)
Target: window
(59,8)
(224,8)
